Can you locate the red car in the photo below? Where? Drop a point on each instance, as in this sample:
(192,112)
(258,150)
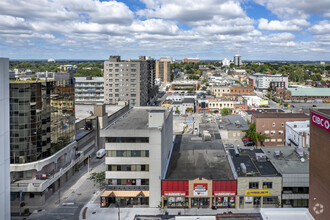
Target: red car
(245,139)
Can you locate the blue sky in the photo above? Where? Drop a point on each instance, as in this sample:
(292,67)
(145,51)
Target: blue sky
(208,29)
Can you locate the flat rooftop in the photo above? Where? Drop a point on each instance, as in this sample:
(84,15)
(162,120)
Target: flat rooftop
(263,110)
(325,111)
(288,162)
(136,118)
(84,111)
(279,115)
(194,158)
(233,122)
(253,167)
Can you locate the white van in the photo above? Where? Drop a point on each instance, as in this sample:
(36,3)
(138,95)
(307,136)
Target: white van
(100,153)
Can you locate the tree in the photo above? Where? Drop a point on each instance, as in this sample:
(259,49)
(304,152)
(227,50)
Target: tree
(254,135)
(177,111)
(225,111)
(98,177)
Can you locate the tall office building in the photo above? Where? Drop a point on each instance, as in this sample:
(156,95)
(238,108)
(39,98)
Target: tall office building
(131,80)
(4,140)
(163,71)
(238,60)
(42,119)
(319,178)
(43,150)
(137,153)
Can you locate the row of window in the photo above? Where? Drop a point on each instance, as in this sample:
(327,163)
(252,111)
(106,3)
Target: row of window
(127,153)
(273,132)
(273,140)
(117,65)
(133,182)
(274,125)
(128,139)
(134,167)
(117,95)
(265,185)
(217,104)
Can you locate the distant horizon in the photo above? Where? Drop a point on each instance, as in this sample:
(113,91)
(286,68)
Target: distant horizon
(202,60)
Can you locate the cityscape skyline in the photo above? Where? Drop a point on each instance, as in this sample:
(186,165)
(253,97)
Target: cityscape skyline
(208,29)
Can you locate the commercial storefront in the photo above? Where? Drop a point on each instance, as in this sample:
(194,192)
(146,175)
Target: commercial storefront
(198,193)
(124,198)
(175,194)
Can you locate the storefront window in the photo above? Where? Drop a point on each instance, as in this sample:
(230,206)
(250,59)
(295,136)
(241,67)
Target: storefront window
(176,201)
(224,202)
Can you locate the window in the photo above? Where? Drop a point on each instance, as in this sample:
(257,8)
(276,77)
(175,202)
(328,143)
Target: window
(133,75)
(266,132)
(280,132)
(253,185)
(273,140)
(282,124)
(274,124)
(267,185)
(133,70)
(270,200)
(128,139)
(279,140)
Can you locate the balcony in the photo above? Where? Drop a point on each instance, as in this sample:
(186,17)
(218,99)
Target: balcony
(40,184)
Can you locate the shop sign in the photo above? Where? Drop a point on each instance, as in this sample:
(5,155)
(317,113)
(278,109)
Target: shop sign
(256,192)
(174,193)
(224,193)
(321,121)
(200,189)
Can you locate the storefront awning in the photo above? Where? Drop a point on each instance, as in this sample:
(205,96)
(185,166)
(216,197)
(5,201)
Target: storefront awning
(125,193)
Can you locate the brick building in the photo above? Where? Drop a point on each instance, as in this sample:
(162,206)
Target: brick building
(319,178)
(304,94)
(273,126)
(232,91)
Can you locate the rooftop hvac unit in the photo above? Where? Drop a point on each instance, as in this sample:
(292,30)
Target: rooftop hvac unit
(261,157)
(243,167)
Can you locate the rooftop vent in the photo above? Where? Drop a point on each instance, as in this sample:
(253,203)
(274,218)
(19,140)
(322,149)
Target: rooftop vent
(261,157)
(243,167)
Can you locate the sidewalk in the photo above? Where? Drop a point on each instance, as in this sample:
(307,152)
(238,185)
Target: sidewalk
(94,212)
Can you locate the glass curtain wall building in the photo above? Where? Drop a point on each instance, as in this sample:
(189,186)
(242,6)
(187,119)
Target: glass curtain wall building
(42,119)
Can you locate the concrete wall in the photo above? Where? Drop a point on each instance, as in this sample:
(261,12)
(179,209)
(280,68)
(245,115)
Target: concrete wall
(4,140)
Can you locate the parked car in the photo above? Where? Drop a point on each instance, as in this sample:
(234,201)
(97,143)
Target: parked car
(248,143)
(100,153)
(245,139)
(229,145)
(314,106)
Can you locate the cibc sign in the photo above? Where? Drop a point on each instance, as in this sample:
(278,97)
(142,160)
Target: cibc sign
(321,121)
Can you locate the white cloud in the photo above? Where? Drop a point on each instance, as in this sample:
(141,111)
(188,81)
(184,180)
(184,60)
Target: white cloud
(323,27)
(290,9)
(187,11)
(276,25)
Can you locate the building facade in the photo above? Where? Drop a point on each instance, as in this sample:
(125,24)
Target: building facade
(259,185)
(297,134)
(218,104)
(132,81)
(89,90)
(238,60)
(137,149)
(273,126)
(319,178)
(191,60)
(264,81)
(43,151)
(163,71)
(4,140)
(308,94)
(231,91)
